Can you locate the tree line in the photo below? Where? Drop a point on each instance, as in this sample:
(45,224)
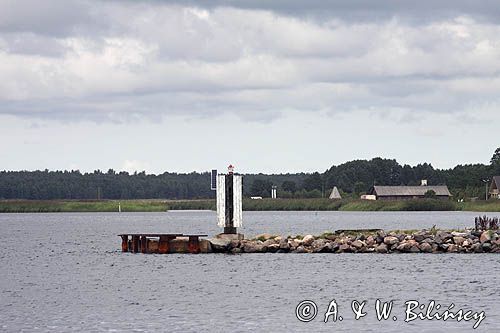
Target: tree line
(352,178)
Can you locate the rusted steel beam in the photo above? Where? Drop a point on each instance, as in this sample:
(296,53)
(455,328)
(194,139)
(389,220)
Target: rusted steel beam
(163,244)
(140,243)
(194,244)
(153,246)
(153,235)
(124,243)
(135,243)
(144,244)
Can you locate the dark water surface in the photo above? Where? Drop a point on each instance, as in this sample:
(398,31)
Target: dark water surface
(65,273)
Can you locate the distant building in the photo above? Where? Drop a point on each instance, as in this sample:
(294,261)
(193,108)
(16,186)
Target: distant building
(274,192)
(495,188)
(256,198)
(408,192)
(335,194)
(368,197)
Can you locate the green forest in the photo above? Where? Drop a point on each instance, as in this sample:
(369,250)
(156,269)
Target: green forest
(352,178)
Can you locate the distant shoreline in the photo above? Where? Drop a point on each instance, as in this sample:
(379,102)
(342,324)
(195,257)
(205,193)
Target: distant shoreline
(159,205)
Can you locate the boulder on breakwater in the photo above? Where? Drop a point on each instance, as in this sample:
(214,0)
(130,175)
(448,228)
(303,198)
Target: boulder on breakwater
(351,241)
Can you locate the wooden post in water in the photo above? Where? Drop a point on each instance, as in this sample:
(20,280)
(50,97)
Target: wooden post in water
(194,244)
(135,243)
(144,244)
(124,243)
(163,245)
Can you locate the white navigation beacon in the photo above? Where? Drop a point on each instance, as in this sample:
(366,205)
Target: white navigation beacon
(229,201)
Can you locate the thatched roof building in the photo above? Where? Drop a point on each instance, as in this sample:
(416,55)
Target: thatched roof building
(408,192)
(335,194)
(495,187)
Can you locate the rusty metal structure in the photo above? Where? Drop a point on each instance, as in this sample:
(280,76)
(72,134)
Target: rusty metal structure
(157,243)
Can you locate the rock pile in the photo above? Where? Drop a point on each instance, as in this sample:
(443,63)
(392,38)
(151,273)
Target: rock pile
(425,241)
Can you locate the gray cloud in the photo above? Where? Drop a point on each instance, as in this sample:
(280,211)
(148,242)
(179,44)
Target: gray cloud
(54,17)
(121,60)
(361,10)
(29,43)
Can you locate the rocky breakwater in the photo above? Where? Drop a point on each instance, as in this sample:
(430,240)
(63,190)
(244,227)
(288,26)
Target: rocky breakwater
(424,241)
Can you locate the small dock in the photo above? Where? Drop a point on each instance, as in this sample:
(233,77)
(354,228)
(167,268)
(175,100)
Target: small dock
(163,243)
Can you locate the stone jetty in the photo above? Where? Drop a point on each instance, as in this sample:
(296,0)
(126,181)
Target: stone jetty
(341,241)
(424,241)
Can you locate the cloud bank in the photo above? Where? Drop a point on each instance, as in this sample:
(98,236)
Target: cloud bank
(119,61)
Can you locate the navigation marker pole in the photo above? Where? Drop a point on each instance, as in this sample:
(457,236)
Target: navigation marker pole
(229,204)
(273,192)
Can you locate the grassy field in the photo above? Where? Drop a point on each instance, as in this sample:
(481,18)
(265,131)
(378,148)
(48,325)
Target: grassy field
(46,206)
(480,206)
(34,206)
(351,205)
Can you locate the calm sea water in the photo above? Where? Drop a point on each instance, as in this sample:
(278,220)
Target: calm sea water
(64,273)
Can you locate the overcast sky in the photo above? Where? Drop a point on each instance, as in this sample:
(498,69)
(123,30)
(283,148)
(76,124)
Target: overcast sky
(270,86)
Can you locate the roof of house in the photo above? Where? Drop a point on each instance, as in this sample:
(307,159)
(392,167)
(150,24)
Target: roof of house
(335,193)
(411,191)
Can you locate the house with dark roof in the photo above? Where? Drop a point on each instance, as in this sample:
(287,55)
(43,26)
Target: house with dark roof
(495,188)
(408,192)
